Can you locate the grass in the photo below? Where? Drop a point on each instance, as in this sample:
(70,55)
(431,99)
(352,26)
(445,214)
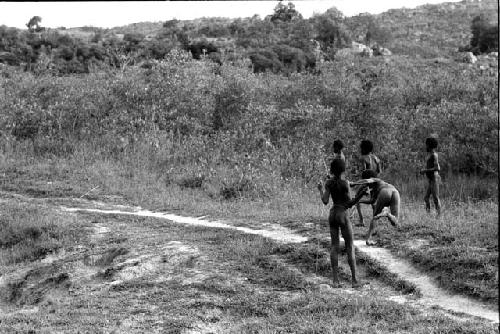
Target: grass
(251,286)
(462,251)
(29,232)
(463,246)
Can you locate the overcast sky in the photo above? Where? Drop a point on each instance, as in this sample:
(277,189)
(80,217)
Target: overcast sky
(107,14)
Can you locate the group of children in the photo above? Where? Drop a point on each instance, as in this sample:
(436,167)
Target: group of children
(381,195)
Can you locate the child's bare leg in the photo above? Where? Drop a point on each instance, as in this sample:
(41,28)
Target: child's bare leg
(334,254)
(360,215)
(435,197)
(393,216)
(427,197)
(371,230)
(377,213)
(351,258)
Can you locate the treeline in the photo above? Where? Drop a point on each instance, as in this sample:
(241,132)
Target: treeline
(282,42)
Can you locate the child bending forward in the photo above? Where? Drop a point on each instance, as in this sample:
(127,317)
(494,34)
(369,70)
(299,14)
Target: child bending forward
(383,195)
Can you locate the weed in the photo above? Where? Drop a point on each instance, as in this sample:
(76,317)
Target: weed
(30,232)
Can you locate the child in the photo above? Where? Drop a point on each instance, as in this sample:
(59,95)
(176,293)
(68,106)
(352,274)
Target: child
(338,146)
(338,188)
(367,161)
(383,195)
(432,172)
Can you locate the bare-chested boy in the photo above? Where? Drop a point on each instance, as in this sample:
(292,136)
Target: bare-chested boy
(338,188)
(338,146)
(383,195)
(432,173)
(367,161)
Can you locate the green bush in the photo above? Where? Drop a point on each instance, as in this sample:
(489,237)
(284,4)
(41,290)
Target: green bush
(197,115)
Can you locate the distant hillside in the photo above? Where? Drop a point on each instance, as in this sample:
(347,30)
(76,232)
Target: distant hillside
(282,42)
(426,28)
(145,28)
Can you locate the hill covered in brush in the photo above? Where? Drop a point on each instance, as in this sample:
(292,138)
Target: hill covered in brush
(282,42)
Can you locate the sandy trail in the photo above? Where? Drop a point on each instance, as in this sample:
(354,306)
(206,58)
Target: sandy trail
(278,233)
(432,295)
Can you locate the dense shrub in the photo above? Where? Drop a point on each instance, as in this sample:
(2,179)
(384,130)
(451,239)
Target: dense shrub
(282,127)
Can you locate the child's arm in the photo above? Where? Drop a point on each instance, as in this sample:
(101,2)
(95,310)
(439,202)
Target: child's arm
(324,193)
(362,182)
(358,197)
(379,165)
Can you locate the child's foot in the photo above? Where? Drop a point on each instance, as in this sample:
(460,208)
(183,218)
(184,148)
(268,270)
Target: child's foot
(336,285)
(359,284)
(371,243)
(380,215)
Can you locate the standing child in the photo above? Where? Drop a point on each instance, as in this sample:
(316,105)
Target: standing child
(338,188)
(367,161)
(432,172)
(338,146)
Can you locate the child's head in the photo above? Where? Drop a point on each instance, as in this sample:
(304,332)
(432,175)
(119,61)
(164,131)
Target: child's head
(338,145)
(431,143)
(368,174)
(366,147)
(337,167)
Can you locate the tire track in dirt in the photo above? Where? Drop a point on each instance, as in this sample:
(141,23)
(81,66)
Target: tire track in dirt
(432,295)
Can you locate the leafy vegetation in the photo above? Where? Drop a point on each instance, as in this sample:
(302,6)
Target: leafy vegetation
(29,233)
(281,42)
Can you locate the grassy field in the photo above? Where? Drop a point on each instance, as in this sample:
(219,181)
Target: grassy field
(460,249)
(30,232)
(172,278)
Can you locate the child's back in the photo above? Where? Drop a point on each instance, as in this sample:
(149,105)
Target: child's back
(339,191)
(370,162)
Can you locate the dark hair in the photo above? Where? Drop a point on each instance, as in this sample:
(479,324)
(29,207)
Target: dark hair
(337,167)
(431,142)
(368,174)
(338,145)
(366,147)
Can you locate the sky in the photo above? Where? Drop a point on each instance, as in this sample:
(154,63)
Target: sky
(108,14)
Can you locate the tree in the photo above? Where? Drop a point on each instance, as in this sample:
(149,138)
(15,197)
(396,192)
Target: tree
(202,47)
(34,23)
(265,60)
(484,35)
(284,13)
(331,32)
(377,34)
(299,34)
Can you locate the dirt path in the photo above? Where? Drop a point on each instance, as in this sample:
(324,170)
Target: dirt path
(432,295)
